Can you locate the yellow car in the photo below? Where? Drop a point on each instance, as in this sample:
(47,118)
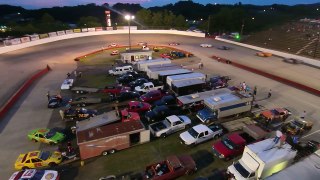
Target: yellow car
(264,54)
(37,159)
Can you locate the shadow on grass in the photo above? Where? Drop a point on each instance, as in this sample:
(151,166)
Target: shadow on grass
(203,158)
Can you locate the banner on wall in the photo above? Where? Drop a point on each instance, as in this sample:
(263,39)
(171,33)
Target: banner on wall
(69,31)
(25,39)
(34,37)
(60,33)
(77,30)
(99,29)
(91,29)
(52,34)
(84,30)
(42,36)
(109,28)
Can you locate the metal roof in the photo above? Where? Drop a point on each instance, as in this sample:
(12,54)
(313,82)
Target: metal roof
(186,76)
(153,61)
(109,131)
(97,121)
(174,71)
(306,169)
(269,152)
(156,66)
(190,98)
(187,82)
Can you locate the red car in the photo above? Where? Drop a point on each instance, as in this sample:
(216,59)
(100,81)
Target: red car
(116,89)
(139,107)
(165,56)
(171,168)
(129,116)
(113,53)
(152,96)
(276,114)
(174,44)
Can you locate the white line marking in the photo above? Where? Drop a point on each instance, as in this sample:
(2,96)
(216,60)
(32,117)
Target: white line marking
(309,134)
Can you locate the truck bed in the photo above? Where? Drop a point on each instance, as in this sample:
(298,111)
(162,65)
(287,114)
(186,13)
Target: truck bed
(158,126)
(247,137)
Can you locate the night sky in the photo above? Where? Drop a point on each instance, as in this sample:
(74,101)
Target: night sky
(35,4)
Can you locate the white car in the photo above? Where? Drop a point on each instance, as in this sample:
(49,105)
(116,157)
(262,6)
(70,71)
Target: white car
(200,133)
(67,84)
(206,45)
(142,44)
(113,45)
(30,174)
(170,125)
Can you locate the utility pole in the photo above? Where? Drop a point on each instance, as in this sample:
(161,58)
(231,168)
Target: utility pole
(208,30)
(242,26)
(316,46)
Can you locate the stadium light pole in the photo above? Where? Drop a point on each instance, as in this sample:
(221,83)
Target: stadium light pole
(129,18)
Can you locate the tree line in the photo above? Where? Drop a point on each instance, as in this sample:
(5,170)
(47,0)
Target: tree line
(210,18)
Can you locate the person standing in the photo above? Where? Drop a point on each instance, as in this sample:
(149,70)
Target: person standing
(244,86)
(303,114)
(269,93)
(68,75)
(80,74)
(199,65)
(48,95)
(75,73)
(255,91)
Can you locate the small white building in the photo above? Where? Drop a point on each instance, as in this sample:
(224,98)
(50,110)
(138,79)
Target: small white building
(135,56)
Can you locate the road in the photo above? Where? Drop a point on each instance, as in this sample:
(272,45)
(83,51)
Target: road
(31,112)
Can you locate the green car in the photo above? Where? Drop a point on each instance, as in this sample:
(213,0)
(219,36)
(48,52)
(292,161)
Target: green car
(44,135)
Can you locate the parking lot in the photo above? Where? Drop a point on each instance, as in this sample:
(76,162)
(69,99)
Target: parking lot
(133,160)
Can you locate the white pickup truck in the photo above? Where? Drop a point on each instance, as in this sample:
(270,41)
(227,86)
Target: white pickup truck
(200,133)
(149,86)
(170,125)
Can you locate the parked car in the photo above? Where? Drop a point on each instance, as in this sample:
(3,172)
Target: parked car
(160,112)
(35,174)
(139,107)
(206,45)
(48,136)
(127,95)
(273,115)
(125,79)
(114,89)
(78,113)
(149,86)
(223,48)
(55,101)
(297,126)
(115,52)
(142,43)
(171,168)
(217,82)
(38,159)
(169,125)
(174,44)
(200,133)
(138,82)
(152,96)
(120,70)
(164,55)
(166,100)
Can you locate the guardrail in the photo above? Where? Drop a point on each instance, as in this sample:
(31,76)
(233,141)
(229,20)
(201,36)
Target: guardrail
(15,97)
(270,76)
(306,60)
(56,36)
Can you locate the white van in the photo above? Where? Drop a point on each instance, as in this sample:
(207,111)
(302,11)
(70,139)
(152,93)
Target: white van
(120,70)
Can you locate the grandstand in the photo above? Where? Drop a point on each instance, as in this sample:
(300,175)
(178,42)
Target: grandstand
(301,38)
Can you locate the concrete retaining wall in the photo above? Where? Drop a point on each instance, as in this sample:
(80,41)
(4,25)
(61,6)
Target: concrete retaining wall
(84,34)
(278,53)
(15,97)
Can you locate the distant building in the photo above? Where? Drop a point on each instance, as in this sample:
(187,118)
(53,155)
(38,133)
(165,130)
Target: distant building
(135,56)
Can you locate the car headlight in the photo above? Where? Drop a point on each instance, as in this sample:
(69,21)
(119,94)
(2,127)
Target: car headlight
(221,156)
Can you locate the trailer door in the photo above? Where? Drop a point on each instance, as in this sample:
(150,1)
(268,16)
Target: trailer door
(134,138)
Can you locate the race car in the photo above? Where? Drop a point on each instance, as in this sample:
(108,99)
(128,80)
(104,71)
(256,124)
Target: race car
(37,159)
(55,101)
(174,44)
(35,174)
(49,136)
(113,53)
(113,45)
(206,45)
(263,54)
(297,126)
(165,56)
(276,114)
(79,113)
(223,48)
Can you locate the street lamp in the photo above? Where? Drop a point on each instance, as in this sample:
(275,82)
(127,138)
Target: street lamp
(129,18)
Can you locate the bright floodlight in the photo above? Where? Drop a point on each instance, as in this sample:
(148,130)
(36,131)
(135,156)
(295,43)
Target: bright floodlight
(128,17)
